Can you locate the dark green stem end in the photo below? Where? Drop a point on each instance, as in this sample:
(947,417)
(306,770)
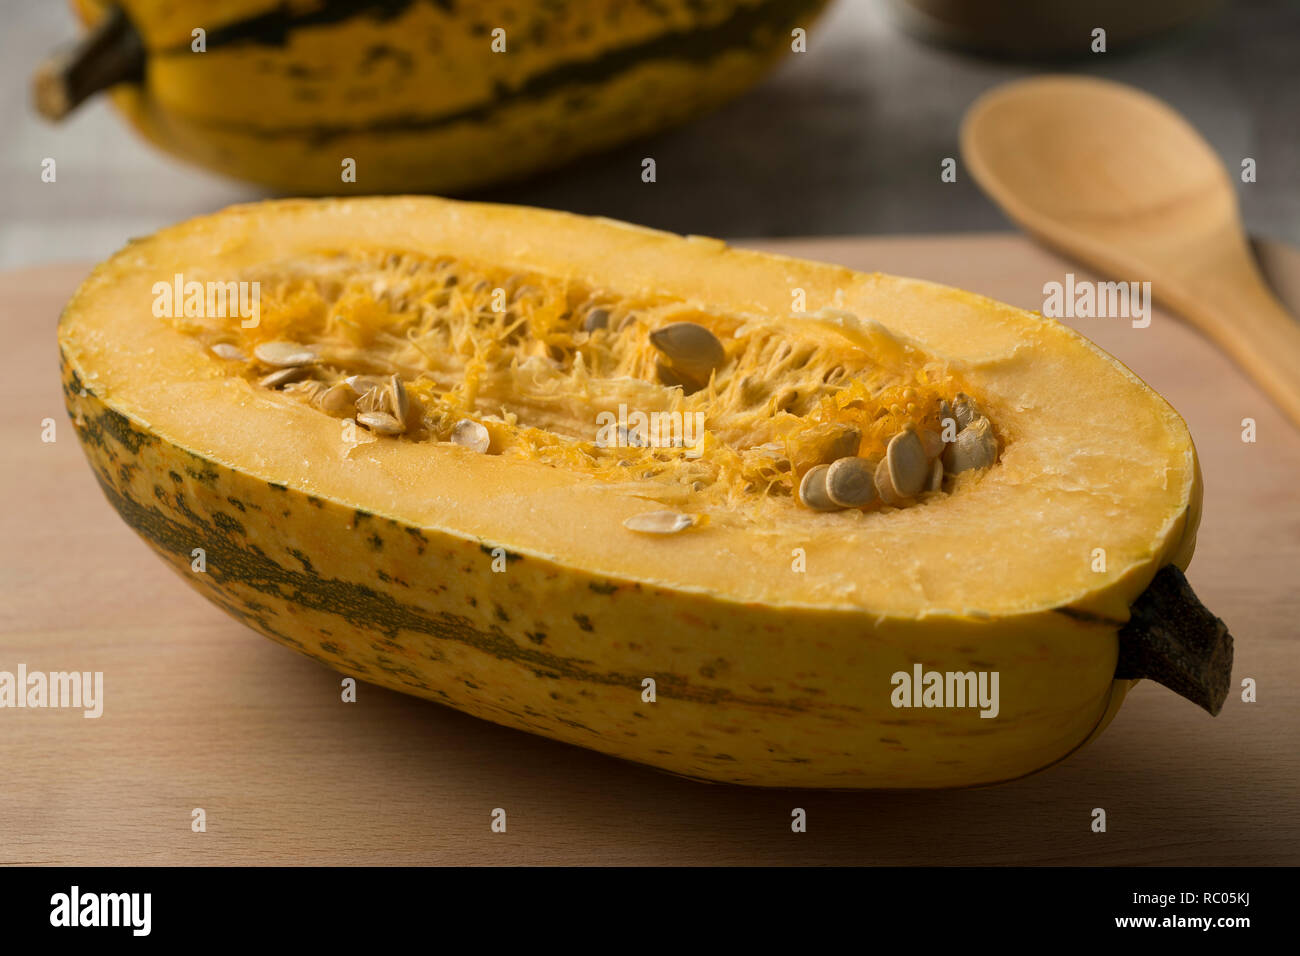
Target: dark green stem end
(1173,639)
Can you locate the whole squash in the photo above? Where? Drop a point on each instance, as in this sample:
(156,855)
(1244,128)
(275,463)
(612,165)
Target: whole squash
(706,509)
(419,95)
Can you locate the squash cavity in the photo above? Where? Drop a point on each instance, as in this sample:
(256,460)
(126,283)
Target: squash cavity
(737,408)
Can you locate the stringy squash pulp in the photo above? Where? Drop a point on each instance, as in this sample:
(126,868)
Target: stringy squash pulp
(771,629)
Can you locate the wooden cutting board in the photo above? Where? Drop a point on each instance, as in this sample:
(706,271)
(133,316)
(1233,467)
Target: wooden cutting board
(202,712)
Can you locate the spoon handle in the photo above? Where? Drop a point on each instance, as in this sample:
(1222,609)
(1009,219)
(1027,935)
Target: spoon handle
(1238,312)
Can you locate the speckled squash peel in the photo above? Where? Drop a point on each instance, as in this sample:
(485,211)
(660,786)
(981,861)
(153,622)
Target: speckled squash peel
(375,555)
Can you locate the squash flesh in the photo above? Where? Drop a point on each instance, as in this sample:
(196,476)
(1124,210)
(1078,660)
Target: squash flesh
(1063,487)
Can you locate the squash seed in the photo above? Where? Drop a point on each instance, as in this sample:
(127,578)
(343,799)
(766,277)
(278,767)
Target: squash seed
(936,476)
(364,383)
(397,401)
(310,389)
(692,350)
(931,442)
(596,319)
(885,485)
(284,354)
(337,400)
(976,447)
(284,376)
(374,399)
(812,490)
(845,443)
(908,466)
(673,379)
(470,434)
(381,423)
(232,353)
(850,483)
(965,410)
(659,522)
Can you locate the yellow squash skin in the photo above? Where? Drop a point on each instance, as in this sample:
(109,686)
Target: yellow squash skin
(417,96)
(381,566)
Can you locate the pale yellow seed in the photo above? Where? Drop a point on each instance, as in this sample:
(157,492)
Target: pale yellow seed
(850,482)
(470,434)
(976,447)
(692,350)
(310,389)
(284,376)
(908,466)
(965,410)
(936,475)
(659,522)
(596,319)
(374,400)
(284,354)
(397,401)
(231,353)
(885,485)
(364,383)
(338,400)
(381,423)
(812,490)
(845,443)
(931,441)
(673,379)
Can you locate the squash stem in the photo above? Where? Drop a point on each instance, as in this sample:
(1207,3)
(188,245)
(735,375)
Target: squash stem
(111,53)
(1173,639)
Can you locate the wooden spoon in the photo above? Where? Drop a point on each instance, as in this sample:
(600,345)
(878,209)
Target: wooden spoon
(1117,179)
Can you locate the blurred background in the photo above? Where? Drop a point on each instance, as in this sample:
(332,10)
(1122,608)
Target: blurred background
(844,139)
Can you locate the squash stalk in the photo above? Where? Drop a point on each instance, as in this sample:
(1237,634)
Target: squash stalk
(1174,640)
(111,53)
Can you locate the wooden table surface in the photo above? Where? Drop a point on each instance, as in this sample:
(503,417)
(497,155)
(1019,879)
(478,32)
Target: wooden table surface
(202,712)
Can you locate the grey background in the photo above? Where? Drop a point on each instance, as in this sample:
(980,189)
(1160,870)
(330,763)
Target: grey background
(846,138)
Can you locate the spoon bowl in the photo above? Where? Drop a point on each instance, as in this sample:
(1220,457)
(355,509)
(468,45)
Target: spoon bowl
(1120,181)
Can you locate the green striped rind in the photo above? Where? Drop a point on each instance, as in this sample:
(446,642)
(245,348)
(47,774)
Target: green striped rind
(748,693)
(284,98)
(752,29)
